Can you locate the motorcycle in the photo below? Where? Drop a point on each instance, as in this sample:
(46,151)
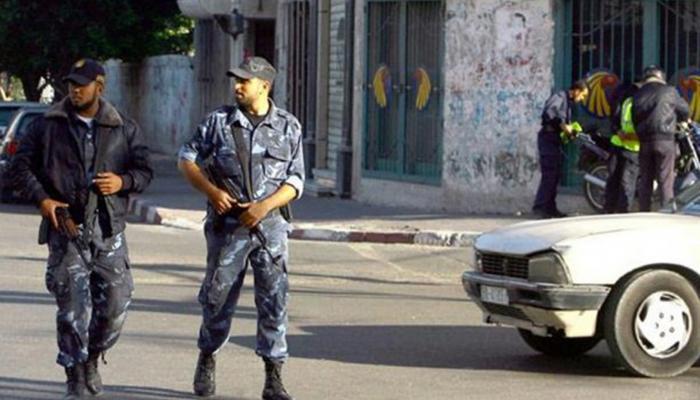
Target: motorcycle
(595,152)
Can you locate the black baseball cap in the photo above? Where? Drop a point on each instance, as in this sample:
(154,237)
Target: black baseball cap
(84,71)
(254,67)
(654,71)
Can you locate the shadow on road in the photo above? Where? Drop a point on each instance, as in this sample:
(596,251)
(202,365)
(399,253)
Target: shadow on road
(423,346)
(137,305)
(26,389)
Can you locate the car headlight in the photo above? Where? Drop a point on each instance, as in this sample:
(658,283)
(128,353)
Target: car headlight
(476,262)
(547,268)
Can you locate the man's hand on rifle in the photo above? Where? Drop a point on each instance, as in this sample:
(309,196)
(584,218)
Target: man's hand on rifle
(108,183)
(222,201)
(48,210)
(254,213)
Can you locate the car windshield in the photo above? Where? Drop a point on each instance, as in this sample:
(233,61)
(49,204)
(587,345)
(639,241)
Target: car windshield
(24,124)
(5,115)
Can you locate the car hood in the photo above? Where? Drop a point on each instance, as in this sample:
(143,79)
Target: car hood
(535,236)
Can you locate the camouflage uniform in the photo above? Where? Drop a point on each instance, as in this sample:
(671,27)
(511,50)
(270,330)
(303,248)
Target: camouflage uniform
(92,299)
(58,158)
(275,152)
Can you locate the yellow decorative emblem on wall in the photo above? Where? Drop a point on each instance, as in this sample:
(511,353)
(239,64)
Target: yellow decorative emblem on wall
(689,86)
(601,85)
(380,83)
(424,87)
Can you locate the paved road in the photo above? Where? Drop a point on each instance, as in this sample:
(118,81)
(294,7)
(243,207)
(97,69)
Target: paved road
(367,322)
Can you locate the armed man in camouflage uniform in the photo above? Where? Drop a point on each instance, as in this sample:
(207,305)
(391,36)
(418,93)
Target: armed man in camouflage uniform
(256,149)
(78,163)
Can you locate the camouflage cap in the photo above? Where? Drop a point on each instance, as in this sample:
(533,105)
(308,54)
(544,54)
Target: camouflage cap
(254,67)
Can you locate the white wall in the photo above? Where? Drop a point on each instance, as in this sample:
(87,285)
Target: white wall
(159,95)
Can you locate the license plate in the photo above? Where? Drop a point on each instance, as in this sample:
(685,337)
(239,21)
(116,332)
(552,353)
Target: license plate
(490,294)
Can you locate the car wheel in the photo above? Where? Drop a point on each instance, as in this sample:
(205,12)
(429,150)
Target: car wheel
(651,323)
(558,346)
(594,194)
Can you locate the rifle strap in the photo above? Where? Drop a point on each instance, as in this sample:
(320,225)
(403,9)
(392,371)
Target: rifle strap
(243,153)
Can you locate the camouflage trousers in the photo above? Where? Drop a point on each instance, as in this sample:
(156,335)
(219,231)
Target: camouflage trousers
(229,252)
(92,299)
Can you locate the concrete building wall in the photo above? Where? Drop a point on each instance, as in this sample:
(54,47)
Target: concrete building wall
(159,94)
(336,81)
(498,74)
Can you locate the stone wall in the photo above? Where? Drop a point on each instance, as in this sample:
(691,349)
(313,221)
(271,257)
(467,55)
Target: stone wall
(336,81)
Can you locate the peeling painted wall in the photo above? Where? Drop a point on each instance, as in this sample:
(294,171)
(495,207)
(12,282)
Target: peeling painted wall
(498,74)
(159,95)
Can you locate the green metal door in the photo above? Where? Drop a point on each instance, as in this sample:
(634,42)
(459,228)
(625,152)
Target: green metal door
(609,42)
(403,95)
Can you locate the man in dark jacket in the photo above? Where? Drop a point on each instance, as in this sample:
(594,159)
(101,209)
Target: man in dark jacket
(657,109)
(556,127)
(78,164)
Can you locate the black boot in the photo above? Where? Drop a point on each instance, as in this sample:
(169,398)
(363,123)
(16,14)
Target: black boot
(93,381)
(75,382)
(205,375)
(274,388)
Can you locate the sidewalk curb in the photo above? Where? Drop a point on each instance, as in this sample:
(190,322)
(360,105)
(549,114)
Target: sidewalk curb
(151,214)
(144,211)
(425,238)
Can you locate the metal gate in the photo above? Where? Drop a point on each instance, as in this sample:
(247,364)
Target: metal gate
(679,35)
(403,96)
(609,42)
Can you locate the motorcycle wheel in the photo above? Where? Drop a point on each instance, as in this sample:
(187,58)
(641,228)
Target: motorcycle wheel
(594,194)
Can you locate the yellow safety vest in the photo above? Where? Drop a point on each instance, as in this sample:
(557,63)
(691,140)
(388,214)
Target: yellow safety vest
(627,138)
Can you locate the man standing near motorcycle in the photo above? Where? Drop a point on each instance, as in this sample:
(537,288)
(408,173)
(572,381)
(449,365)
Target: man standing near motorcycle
(657,109)
(556,126)
(624,156)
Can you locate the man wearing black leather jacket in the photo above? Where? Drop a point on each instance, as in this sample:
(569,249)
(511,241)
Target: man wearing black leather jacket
(84,157)
(657,109)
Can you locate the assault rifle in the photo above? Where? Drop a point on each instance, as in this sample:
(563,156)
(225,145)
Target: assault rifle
(224,184)
(68,228)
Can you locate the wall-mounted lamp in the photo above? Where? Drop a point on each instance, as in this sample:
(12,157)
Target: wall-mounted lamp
(233,23)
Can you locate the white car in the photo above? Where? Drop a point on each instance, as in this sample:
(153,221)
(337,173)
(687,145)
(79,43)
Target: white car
(631,279)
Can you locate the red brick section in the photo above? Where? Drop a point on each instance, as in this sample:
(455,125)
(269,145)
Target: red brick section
(389,237)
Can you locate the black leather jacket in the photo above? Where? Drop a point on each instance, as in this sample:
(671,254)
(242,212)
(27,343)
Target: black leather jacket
(656,109)
(49,162)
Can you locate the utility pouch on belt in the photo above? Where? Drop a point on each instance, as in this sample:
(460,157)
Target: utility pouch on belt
(44,231)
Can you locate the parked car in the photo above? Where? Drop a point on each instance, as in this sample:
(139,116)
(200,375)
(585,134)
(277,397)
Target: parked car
(16,128)
(566,284)
(8,108)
